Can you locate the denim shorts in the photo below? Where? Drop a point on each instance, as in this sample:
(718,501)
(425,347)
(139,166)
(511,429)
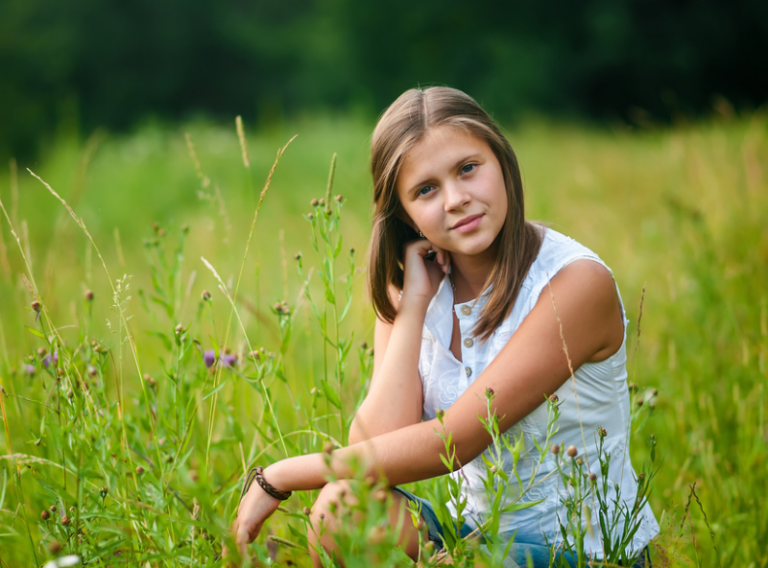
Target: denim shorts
(519,552)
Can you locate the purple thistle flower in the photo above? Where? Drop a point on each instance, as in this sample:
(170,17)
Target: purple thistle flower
(209,357)
(47,361)
(29,369)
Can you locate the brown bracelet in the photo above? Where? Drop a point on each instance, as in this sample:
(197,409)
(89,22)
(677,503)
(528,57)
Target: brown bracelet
(257,473)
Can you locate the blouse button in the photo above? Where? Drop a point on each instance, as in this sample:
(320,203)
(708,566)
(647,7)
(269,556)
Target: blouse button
(466,310)
(468,371)
(468,342)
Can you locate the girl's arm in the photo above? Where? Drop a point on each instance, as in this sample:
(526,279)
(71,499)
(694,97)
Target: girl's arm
(394,399)
(530,367)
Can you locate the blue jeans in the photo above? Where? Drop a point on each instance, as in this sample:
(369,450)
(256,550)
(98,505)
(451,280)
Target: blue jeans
(519,551)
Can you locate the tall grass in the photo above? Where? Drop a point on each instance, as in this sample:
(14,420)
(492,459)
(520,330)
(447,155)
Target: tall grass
(139,444)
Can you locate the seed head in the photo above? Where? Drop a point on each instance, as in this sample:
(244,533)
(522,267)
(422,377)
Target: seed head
(104,491)
(179,328)
(593,477)
(65,520)
(339,199)
(555,449)
(41,352)
(52,508)
(553,398)
(352,250)
(364,345)
(36,306)
(297,256)
(602,432)
(580,461)
(310,216)
(494,469)
(314,202)
(322,201)
(328,448)
(489,392)
(139,470)
(54,547)
(639,402)
(70,394)
(307,511)
(655,392)
(206,296)
(89,295)
(572,451)
(45,515)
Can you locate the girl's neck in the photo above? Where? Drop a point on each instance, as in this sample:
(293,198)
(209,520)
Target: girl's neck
(470,274)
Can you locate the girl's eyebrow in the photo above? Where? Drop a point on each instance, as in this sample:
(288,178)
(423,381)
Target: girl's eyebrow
(458,163)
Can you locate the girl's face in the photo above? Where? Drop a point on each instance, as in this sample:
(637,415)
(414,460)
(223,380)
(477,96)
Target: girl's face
(452,189)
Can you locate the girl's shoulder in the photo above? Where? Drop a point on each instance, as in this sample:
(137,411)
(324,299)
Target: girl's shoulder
(557,251)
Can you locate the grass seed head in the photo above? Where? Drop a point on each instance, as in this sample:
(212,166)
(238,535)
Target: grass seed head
(572,451)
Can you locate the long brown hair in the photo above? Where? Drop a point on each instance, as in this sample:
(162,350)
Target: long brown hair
(402,125)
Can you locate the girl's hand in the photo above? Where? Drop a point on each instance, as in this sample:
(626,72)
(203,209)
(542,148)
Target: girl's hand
(255,508)
(421,276)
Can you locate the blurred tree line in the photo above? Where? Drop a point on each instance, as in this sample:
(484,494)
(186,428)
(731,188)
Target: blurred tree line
(86,63)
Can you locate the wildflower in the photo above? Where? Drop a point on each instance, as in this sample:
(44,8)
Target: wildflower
(580,461)
(489,392)
(41,352)
(639,402)
(65,520)
(229,360)
(310,216)
(297,256)
(339,199)
(50,358)
(322,201)
(602,432)
(364,345)
(209,357)
(572,451)
(553,398)
(632,387)
(255,354)
(29,370)
(315,202)
(89,295)
(494,469)
(555,449)
(440,414)
(45,515)
(654,392)
(206,296)
(592,477)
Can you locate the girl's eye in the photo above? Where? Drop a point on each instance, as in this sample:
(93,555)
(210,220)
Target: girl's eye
(426,189)
(468,168)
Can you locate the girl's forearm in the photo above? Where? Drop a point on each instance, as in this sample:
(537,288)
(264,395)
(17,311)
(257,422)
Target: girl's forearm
(394,400)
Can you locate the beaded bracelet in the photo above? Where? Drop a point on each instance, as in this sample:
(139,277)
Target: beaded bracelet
(257,473)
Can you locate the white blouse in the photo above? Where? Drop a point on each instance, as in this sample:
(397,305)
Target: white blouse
(603,399)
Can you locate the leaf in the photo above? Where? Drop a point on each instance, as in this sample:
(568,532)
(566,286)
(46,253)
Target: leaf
(331,394)
(217,389)
(33,331)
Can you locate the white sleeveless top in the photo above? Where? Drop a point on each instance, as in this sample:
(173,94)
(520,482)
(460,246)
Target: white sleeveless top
(603,399)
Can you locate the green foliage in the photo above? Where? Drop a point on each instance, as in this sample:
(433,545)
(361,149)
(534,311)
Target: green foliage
(130,435)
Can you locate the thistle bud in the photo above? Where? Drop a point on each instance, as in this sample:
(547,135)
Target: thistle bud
(352,250)
(92,371)
(639,402)
(36,306)
(364,345)
(179,328)
(89,295)
(307,511)
(328,448)
(314,202)
(494,469)
(297,256)
(54,547)
(555,449)
(104,491)
(572,451)
(139,470)
(45,515)
(310,216)
(70,394)
(52,508)
(206,296)
(322,201)
(65,520)
(339,199)
(489,392)
(593,477)
(580,461)
(553,398)
(655,392)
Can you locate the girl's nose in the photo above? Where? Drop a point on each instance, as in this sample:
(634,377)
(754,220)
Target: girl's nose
(456,196)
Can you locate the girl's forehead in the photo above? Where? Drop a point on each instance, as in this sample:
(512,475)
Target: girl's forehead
(440,147)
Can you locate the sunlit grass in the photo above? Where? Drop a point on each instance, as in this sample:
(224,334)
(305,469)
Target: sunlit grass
(680,211)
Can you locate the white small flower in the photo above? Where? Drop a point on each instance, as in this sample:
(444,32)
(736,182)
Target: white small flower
(71,560)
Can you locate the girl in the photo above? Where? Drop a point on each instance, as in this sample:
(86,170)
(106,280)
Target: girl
(463,287)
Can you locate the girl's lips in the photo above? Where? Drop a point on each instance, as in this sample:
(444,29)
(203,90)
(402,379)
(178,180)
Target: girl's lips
(465,226)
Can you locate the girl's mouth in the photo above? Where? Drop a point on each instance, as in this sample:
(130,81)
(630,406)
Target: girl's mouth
(467,224)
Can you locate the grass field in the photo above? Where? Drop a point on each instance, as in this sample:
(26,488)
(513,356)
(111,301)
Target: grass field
(681,212)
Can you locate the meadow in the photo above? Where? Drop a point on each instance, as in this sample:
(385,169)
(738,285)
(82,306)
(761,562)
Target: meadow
(124,445)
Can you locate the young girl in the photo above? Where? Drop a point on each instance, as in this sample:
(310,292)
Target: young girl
(463,287)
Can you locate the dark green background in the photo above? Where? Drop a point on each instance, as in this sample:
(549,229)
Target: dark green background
(81,64)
